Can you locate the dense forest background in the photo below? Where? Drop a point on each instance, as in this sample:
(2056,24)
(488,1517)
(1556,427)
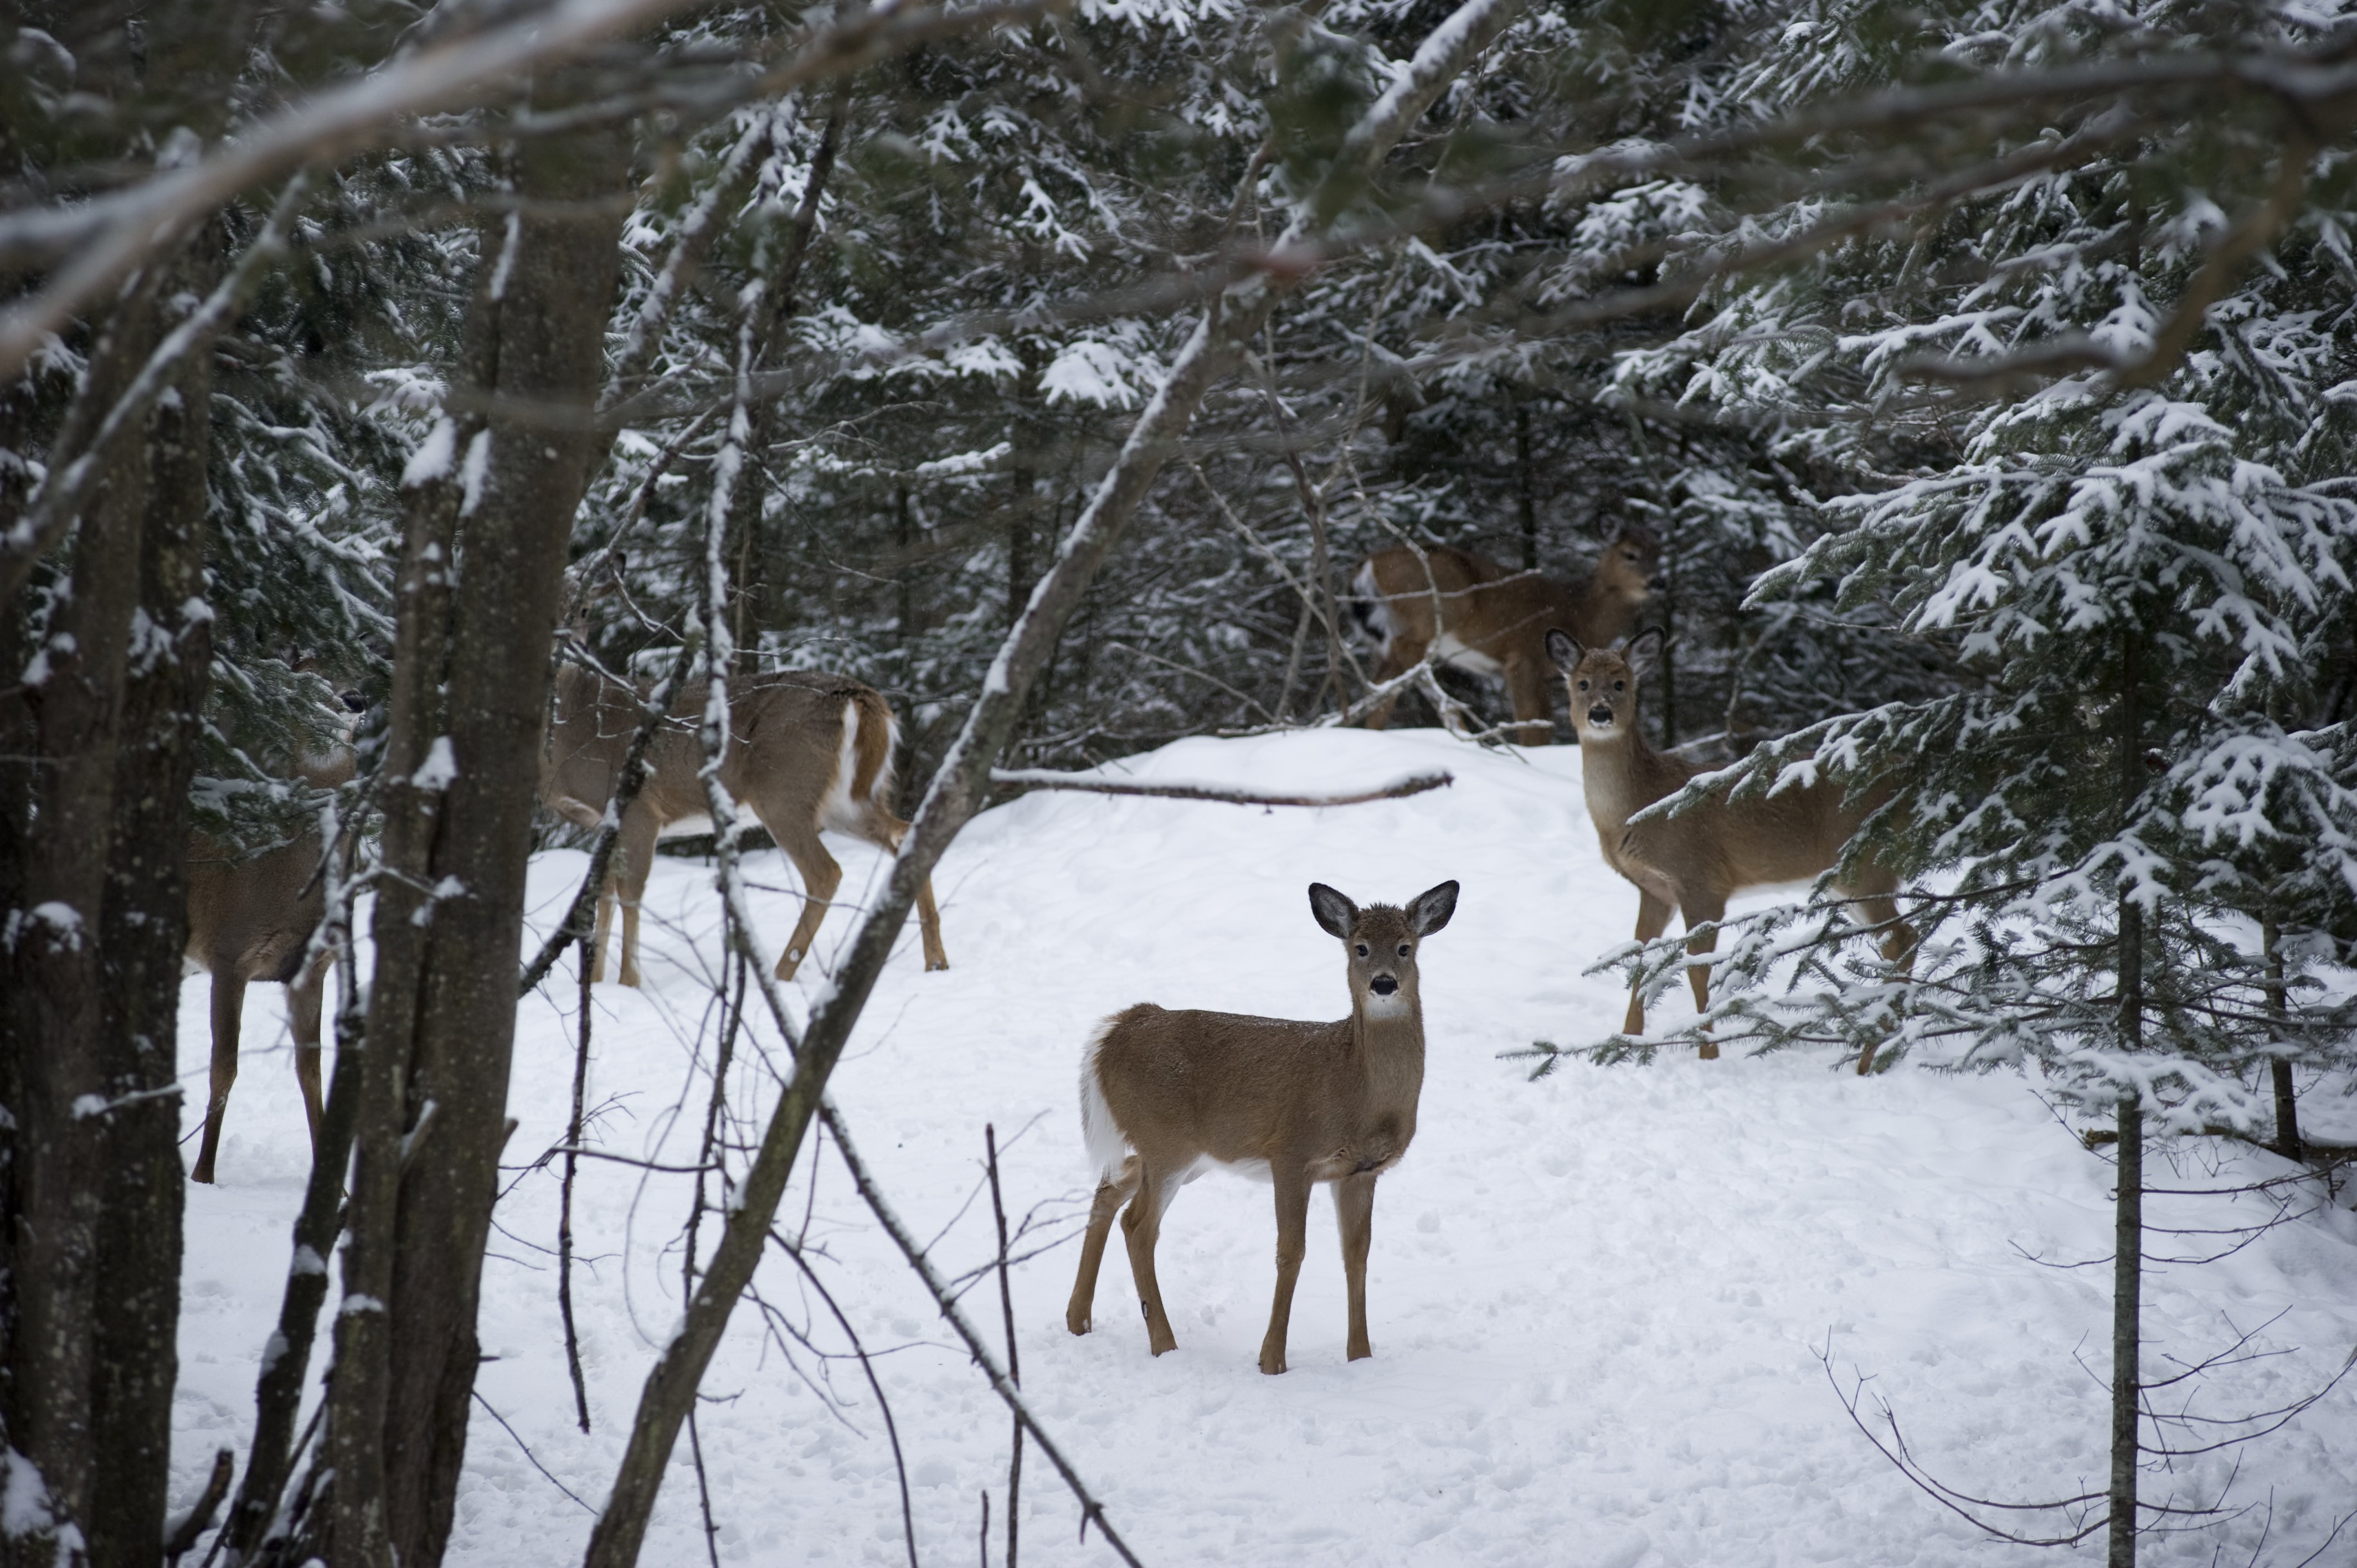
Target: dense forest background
(1986,373)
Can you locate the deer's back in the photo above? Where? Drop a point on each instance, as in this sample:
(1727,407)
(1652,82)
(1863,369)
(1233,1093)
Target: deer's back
(785,744)
(1791,836)
(1182,1085)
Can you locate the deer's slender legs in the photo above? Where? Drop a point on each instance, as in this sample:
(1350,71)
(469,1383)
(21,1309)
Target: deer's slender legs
(1292,1239)
(1530,692)
(886,831)
(1652,920)
(929,926)
(1355,1212)
(1141,1224)
(605,930)
(229,1010)
(1702,911)
(640,830)
(1111,1196)
(821,877)
(304,995)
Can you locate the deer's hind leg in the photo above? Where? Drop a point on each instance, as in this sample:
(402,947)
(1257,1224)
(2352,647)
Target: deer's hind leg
(229,1011)
(797,835)
(305,994)
(1652,920)
(882,829)
(1111,1196)
(1141,1224)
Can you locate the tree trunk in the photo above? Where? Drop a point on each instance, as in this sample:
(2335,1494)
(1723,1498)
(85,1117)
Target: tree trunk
(434,1117)
(2288,1141)
(2128,1231)
(143,932)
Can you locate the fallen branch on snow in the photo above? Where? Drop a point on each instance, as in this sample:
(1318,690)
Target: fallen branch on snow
(1042,778)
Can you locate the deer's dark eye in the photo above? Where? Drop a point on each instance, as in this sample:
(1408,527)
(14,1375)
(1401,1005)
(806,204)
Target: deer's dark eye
(1619,685)
(1583,685)
(1362,950)
(1402,950)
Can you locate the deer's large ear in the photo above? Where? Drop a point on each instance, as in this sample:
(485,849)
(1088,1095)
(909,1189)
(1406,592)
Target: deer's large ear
(1563,649)
(1336,915)
(1429,910)
(1644,651)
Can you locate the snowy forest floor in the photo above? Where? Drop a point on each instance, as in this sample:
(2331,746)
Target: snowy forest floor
(1597,1301)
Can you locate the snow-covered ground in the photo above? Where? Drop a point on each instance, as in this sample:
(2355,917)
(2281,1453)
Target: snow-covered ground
(1598,1302)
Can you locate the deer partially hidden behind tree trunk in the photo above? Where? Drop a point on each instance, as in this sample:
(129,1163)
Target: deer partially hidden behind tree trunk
(1164,1094)
(251,917)
(1695,860)
(806,752)
(1491,620)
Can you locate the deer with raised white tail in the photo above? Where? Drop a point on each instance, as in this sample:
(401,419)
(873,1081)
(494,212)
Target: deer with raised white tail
(1693,861)
(251,917)
(806,752)
(1164,1095)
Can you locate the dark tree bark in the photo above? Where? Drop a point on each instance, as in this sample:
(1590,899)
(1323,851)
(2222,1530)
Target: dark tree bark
(59,1051)
(2127,1237)
(433,1116)
(143,931)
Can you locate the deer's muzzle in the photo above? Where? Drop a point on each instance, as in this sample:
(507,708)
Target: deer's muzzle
(1599,716)
(1382,985)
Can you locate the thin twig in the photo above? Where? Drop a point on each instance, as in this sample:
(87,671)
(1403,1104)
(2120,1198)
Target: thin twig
(946,1300)
(565,1202)
(1014,1362)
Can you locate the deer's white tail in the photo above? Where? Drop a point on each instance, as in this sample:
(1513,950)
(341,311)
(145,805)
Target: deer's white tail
(1368,606)
(841,806)
(1107,1147)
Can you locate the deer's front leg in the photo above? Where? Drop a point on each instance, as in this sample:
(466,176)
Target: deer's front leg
(1701,910)
(1354,1213)
(1292,1239)
(1652,920)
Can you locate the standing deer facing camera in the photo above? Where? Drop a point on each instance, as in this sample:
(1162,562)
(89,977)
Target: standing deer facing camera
(1164,1094)
(805,751)
(1692,862)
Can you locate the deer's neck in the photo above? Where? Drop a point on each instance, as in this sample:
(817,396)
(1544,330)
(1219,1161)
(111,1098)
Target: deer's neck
(1621,775)
(1391,1045)
(1602,614)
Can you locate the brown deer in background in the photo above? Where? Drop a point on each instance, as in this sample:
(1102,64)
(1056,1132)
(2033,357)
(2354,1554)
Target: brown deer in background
(1492,621)
(806,752)
(1693,861)
(1164,1094)
(251,919)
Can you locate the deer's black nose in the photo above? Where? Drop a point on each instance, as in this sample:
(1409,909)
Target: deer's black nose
(1599,715)
(1382,985)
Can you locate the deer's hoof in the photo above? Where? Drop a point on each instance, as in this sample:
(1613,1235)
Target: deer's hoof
(1077,1320)
(1272,1362)
(932,965)
(203,1173)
